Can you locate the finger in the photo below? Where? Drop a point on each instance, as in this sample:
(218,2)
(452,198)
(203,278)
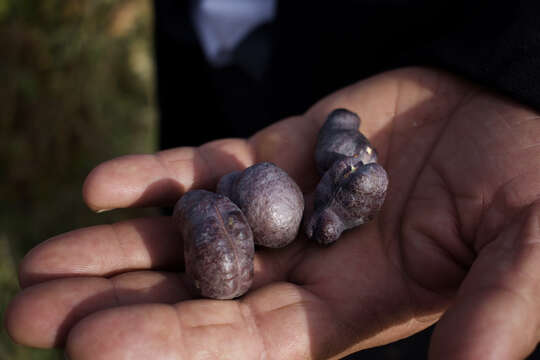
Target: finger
(103,250)
(60,303)
(281,321)
(143,180)
(41,315)
(496,313)
(160,179)
(138,244)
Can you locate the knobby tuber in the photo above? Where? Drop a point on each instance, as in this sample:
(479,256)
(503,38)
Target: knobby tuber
(270,199)
(339,138)
(218,244)
(353,186)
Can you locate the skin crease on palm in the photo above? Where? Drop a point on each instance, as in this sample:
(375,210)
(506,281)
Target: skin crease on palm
(456,242)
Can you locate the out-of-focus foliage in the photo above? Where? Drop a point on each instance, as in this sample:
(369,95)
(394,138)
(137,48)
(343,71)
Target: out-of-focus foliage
(76,88)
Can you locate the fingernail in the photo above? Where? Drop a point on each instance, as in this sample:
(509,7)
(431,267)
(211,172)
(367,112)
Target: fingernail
(103,210)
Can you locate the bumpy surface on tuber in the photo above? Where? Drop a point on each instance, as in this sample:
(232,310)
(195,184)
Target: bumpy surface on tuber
(218,244)
(353,186)
(339,138)
(349,194)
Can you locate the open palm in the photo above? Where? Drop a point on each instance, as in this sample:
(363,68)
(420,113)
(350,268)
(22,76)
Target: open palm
(457,235)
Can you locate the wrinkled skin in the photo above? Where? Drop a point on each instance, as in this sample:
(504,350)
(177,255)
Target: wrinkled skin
(349,194)
(339,137)
(270,199)
(218,244)
(456,242)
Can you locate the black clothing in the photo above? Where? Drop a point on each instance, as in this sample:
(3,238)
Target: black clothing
(314,48)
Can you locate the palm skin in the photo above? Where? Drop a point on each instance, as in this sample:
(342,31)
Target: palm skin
(457,236)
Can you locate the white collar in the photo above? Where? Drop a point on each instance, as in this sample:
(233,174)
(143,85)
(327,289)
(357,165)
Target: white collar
(222,24)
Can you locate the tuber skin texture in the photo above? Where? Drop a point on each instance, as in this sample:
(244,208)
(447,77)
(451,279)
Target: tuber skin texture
(270,199)
(218,244)
(339,138)
(349,194)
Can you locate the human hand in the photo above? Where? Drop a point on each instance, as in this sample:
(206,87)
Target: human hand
(457,238)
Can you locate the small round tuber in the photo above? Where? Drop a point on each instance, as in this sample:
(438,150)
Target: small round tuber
(270,199)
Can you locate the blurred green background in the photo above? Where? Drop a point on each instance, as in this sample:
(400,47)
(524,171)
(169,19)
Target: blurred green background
(76,88)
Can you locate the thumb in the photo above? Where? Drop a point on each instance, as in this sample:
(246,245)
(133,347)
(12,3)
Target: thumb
(497,310)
